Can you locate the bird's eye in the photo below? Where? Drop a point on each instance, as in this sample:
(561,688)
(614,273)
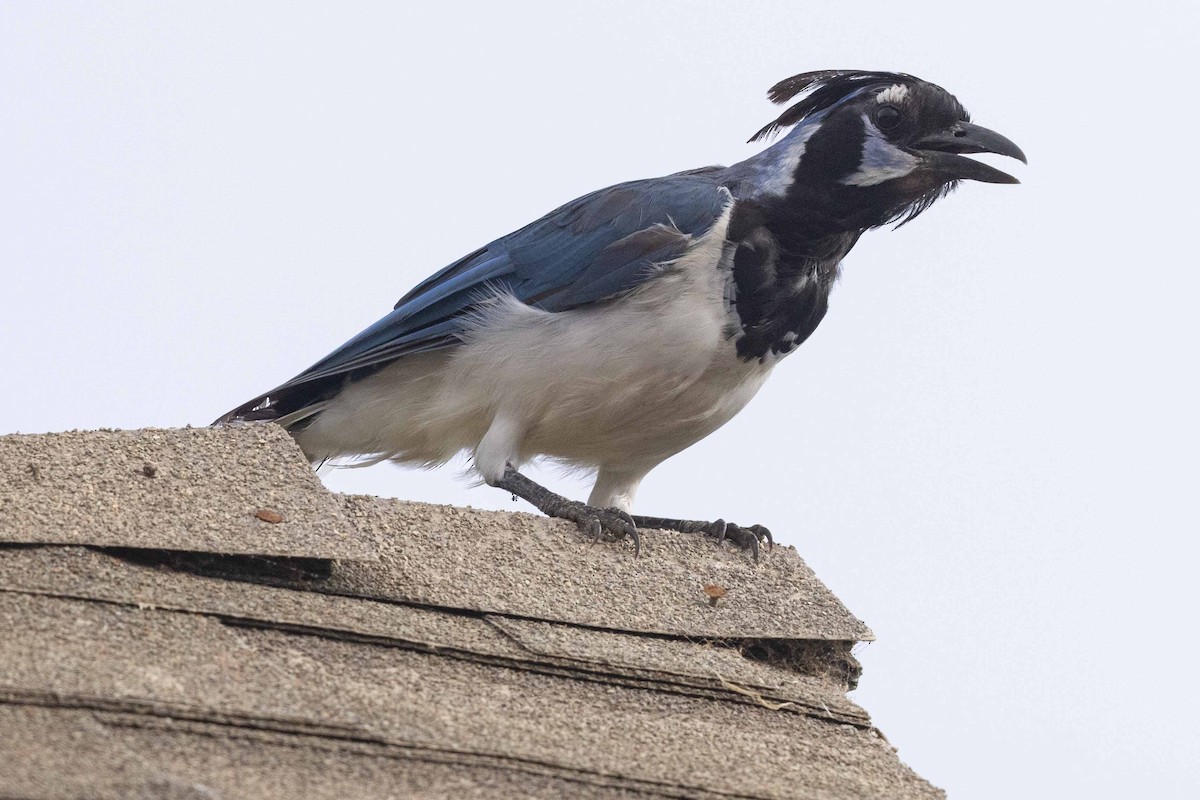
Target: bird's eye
(887,117)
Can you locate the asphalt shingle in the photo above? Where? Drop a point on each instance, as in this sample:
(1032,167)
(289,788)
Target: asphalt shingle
(529,566)
(422,651)
(191,489)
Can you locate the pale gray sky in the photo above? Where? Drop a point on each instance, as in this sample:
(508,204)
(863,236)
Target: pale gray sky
(987,450)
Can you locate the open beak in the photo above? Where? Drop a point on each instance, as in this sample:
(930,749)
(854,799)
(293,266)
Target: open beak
(943,153)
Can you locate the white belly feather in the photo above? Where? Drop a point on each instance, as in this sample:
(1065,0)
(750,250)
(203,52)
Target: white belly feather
(618,386)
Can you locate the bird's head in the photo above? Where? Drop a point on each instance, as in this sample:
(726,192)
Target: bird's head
(870,148)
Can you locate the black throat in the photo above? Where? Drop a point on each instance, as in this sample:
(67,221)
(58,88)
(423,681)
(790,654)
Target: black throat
(785,262)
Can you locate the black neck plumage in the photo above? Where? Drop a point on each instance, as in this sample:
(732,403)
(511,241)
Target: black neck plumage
(785,261)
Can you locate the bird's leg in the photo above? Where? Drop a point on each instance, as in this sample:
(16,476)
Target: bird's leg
(744,536)
(595,521)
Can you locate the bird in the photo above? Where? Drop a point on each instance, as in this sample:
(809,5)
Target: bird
(628,324)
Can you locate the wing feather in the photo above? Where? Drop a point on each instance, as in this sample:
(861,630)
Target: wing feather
(590,250)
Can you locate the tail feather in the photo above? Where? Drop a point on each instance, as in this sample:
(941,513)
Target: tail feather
(289,406)
(289,421)
(256,410)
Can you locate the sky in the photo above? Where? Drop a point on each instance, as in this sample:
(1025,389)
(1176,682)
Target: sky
(987,450)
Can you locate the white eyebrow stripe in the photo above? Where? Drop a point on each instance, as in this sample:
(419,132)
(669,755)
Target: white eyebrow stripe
(894,94)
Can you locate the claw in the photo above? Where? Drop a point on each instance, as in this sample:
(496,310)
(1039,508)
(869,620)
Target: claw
(745,538)
(748,538)
(631,530)
(754,545)
(617,523)
(764,533)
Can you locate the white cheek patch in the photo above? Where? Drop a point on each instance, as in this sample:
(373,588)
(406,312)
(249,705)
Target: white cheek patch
(881,160)
(894,95)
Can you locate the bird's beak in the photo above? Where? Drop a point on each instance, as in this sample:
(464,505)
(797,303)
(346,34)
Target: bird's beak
(943,153)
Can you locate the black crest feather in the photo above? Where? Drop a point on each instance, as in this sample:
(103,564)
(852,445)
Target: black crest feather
(820,90)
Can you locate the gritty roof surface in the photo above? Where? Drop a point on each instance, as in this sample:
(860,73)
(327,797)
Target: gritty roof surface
(443,653)
(527,565)
(234,491)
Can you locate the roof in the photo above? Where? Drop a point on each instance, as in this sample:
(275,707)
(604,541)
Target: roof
(220,625)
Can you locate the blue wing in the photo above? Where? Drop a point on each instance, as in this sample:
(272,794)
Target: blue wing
(591,249)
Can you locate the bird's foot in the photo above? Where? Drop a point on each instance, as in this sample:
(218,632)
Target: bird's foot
(746,537)
(597,522)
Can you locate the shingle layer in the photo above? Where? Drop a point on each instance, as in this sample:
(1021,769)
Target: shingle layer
(473,655)
(247,490)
